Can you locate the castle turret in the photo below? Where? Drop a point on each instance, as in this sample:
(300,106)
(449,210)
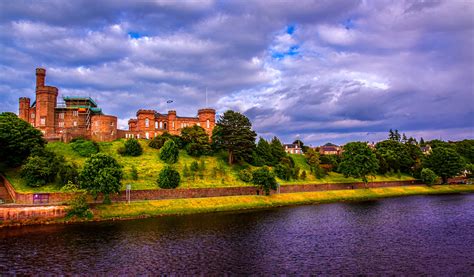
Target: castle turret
(46,97)
(24,110)
(172,121)
(207,119)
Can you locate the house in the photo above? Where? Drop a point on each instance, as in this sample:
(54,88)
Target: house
(330,149)
(426,150)
(293,149)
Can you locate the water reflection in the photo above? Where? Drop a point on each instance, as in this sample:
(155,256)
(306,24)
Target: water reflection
(407,236)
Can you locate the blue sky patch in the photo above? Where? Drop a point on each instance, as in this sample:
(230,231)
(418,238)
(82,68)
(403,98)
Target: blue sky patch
(134,35)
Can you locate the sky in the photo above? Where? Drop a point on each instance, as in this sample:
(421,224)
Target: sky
(319,71)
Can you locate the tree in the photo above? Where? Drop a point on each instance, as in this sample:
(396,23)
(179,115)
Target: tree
(101,174)
(68,173)
(394,135)
(278,151)
(233,133)
(428,176)
(84,148)
(41,167)
(169,152)
(264,152)
(158,141)
(394,155)
(132,148)
(445,162)
(245,175)
(312,157)
(283,171)
(303,175)
(196,140)
(262,178)
(17,139)
(422,142)
(134,173)
(465,148)
(303,147)
(168,178)
(358,161)
(197,149)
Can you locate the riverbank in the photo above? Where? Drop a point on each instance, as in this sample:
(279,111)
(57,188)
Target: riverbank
(153,208)
(141,209)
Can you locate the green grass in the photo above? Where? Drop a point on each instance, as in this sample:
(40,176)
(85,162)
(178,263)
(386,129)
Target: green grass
(230,203)
(149,165)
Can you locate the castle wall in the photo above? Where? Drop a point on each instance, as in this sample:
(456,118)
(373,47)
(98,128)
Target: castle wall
(104,128)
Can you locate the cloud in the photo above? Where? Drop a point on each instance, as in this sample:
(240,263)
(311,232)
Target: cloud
(320,70)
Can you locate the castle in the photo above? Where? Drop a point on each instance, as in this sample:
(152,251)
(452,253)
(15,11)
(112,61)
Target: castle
(81,117)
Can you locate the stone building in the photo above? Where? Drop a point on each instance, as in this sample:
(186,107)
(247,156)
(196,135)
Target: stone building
(150,123)
(81,117)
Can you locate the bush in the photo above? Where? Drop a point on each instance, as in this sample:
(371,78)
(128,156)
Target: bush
(169,152)
(245,175)
(68,173)
(41,167)
(283,171)
(134,173)
(303,175)
(262,178)
(159,141)
(196,149)
(84,148)
(428,176)
(319,172)
(168,178)
(131,148)
(79,208)
(194,166)
(101,174)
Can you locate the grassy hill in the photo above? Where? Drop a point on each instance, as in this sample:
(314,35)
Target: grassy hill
(217,172)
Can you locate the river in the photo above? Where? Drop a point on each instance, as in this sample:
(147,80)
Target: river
(418,235)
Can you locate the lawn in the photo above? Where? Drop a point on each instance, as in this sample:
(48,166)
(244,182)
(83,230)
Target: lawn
(217,172)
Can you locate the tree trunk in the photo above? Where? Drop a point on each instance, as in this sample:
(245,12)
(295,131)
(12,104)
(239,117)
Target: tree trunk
(230,158)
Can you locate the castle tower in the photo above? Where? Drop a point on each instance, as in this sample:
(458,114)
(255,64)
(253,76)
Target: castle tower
(46,97)
(24,111)
(207,119)
(172,124)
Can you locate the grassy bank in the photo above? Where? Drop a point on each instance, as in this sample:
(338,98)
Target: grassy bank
(217,172)
(232,203)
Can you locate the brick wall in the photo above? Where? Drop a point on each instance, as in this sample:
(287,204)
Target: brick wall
(30,213)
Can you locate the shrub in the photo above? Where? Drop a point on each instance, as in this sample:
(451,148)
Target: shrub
(84,148)
(428,176)
(68,173)
(186,171)
(134,173)
(79,208)
(169,152)
(196,149)
(101,174)
(283,171)
(168,178)
(71,187)
(262,178)
(319,172)
(131,148)
(37,171)
(303,175)
(245,175)
(157,142)
(194,166)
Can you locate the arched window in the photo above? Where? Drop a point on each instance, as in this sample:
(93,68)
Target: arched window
(156,124)
(164,125)
(208,124)
(147,122)
(161,125)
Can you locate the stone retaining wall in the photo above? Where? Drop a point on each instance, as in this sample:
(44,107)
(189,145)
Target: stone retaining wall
(12,213)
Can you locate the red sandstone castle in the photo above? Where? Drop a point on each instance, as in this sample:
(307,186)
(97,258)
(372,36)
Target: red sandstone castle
(81,117)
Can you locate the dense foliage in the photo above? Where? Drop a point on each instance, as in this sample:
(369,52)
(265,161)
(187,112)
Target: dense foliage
(68,173)
(445,162)
(17,139)
(394,156)
(41,168)
(263,179)
(84,148)
(233,133)
(245,175)
(79,208)
(428,176)
(158,141)
(101,174)
(169,152)
(131,148)
(358,161)
(263,154)
(168,178)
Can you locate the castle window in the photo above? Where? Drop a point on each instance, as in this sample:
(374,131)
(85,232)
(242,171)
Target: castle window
(156,124)
(32,115)
(61,115)
(147,122)
(164,125)
(112,124)
(74,123)
(61,124)
(147,135)
(208,124)
(75,113)
(43,121)
(161,125)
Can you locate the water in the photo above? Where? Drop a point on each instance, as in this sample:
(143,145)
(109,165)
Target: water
(422,235)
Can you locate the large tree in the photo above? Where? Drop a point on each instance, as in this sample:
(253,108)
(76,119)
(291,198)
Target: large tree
(17,139)
(358,161)
(169,153)
(101,174)
(264,152)
(262,178)
(233,133)
(278,151)
(196,140)
(445,162)
(394,155)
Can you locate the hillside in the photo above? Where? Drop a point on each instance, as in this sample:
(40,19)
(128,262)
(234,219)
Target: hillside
(217,172)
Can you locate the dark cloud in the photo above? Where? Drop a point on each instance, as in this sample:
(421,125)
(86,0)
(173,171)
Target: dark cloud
(346,71)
